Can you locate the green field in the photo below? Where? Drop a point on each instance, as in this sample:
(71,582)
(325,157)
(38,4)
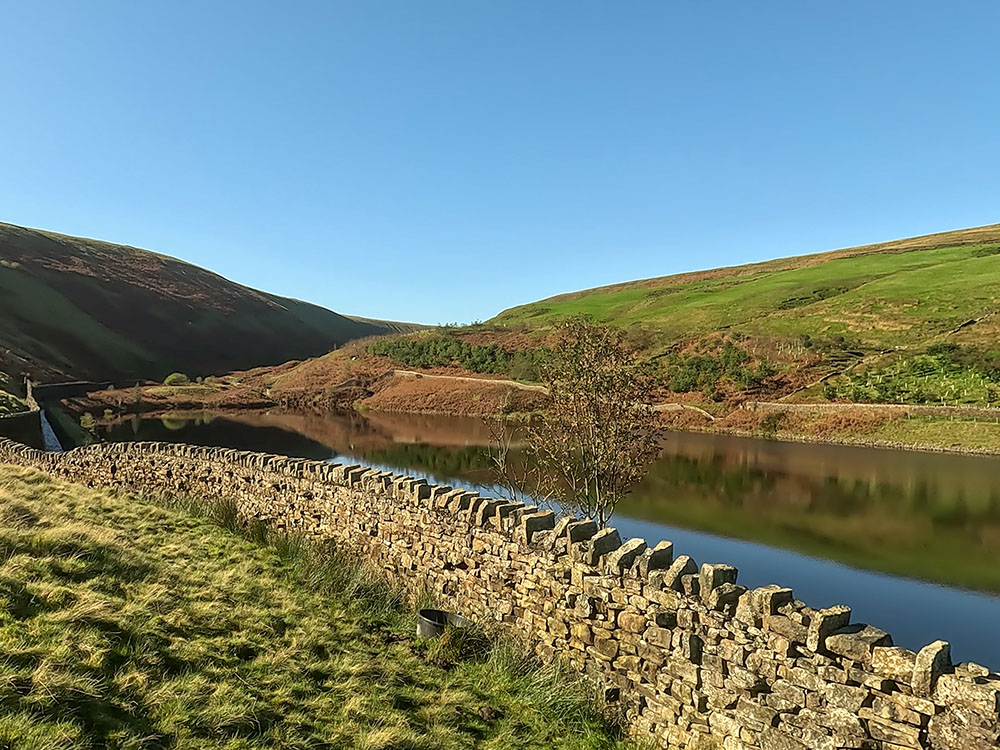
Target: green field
(878,300)
(126,623)
(868,311)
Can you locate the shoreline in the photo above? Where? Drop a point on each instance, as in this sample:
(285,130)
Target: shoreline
(149,410)
(844,441)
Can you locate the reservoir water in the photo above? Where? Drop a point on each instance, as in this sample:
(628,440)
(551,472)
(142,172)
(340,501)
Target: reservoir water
(911,541)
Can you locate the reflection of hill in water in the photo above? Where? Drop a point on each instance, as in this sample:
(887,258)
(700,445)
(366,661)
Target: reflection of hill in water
(930,516)
(217,431)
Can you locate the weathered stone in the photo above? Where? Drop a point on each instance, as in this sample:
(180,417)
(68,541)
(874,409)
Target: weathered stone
(535,522)
(978,693)
(487,511)
(621,559)
(714,575)
(824,623)
(578,531)
(660,557)
(723,598)
(932,661)
(603,542)
(787,628)
(752,713)
(894,662)
(632,622)
(605,647)
(890,710)
(961,727)
(690,585)
(902,735)
(857,641)
(682,566)
(775,739)
(845,696)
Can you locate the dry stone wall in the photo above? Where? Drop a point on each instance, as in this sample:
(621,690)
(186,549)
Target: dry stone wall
(697,661)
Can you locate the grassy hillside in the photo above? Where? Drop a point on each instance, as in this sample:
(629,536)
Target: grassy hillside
(128,624)
(74,307)
(881,294)
(867,310)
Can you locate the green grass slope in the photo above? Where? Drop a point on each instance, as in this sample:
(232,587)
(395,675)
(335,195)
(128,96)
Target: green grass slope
(922,285)
(868,309)
(74,307)
(131,624)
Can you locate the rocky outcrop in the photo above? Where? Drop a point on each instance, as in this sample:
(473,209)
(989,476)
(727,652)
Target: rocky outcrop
(696,660)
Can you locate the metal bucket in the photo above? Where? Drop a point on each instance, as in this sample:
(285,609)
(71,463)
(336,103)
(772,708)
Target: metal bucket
(432,622)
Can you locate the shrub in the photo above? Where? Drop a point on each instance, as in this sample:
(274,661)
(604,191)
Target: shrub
(445,350)
(771,423)
(177,378)
(706,370)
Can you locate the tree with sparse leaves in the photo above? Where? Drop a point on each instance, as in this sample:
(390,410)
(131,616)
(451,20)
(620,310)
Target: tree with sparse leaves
(598,435)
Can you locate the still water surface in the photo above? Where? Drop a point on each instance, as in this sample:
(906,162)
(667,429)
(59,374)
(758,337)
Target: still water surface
(911,541)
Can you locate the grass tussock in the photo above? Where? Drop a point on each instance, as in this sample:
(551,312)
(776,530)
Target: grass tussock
(165,623)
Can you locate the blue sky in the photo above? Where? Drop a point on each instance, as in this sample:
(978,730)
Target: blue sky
(439,161)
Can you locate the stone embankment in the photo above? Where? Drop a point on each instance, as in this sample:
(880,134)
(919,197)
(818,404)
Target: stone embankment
(695,660)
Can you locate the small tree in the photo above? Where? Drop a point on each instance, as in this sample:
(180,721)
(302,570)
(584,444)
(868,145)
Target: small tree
(177,378)
(516,474)
(597,437)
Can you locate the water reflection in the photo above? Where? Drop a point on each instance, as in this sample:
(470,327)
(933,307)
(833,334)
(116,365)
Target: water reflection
(796,514)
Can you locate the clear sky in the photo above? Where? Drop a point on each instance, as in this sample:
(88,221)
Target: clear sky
(439,161)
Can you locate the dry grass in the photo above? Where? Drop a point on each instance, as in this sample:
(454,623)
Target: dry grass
(127,623)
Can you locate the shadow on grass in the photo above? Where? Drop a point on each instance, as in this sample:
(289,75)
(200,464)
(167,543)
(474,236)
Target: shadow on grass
(489,658)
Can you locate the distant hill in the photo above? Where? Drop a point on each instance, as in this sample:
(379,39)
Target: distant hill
(912,321)
(766,296)
(81,308)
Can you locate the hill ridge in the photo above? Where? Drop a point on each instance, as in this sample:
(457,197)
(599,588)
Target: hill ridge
(967,236)
(83,307)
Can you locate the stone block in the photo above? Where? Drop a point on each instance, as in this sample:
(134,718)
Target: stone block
(714,575)
(847,697)
(775,739)
(605,646)
(535,522)
(755,714)
(579,531)
(723,598)
(621,559)
(602,543)
(632,622)
(899,735)
(824,623)
(660,557)
(682,566)
(857,642)
(487,510)
(894,662)
(786,628)
(980,694)
(960,727)
(932,661)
